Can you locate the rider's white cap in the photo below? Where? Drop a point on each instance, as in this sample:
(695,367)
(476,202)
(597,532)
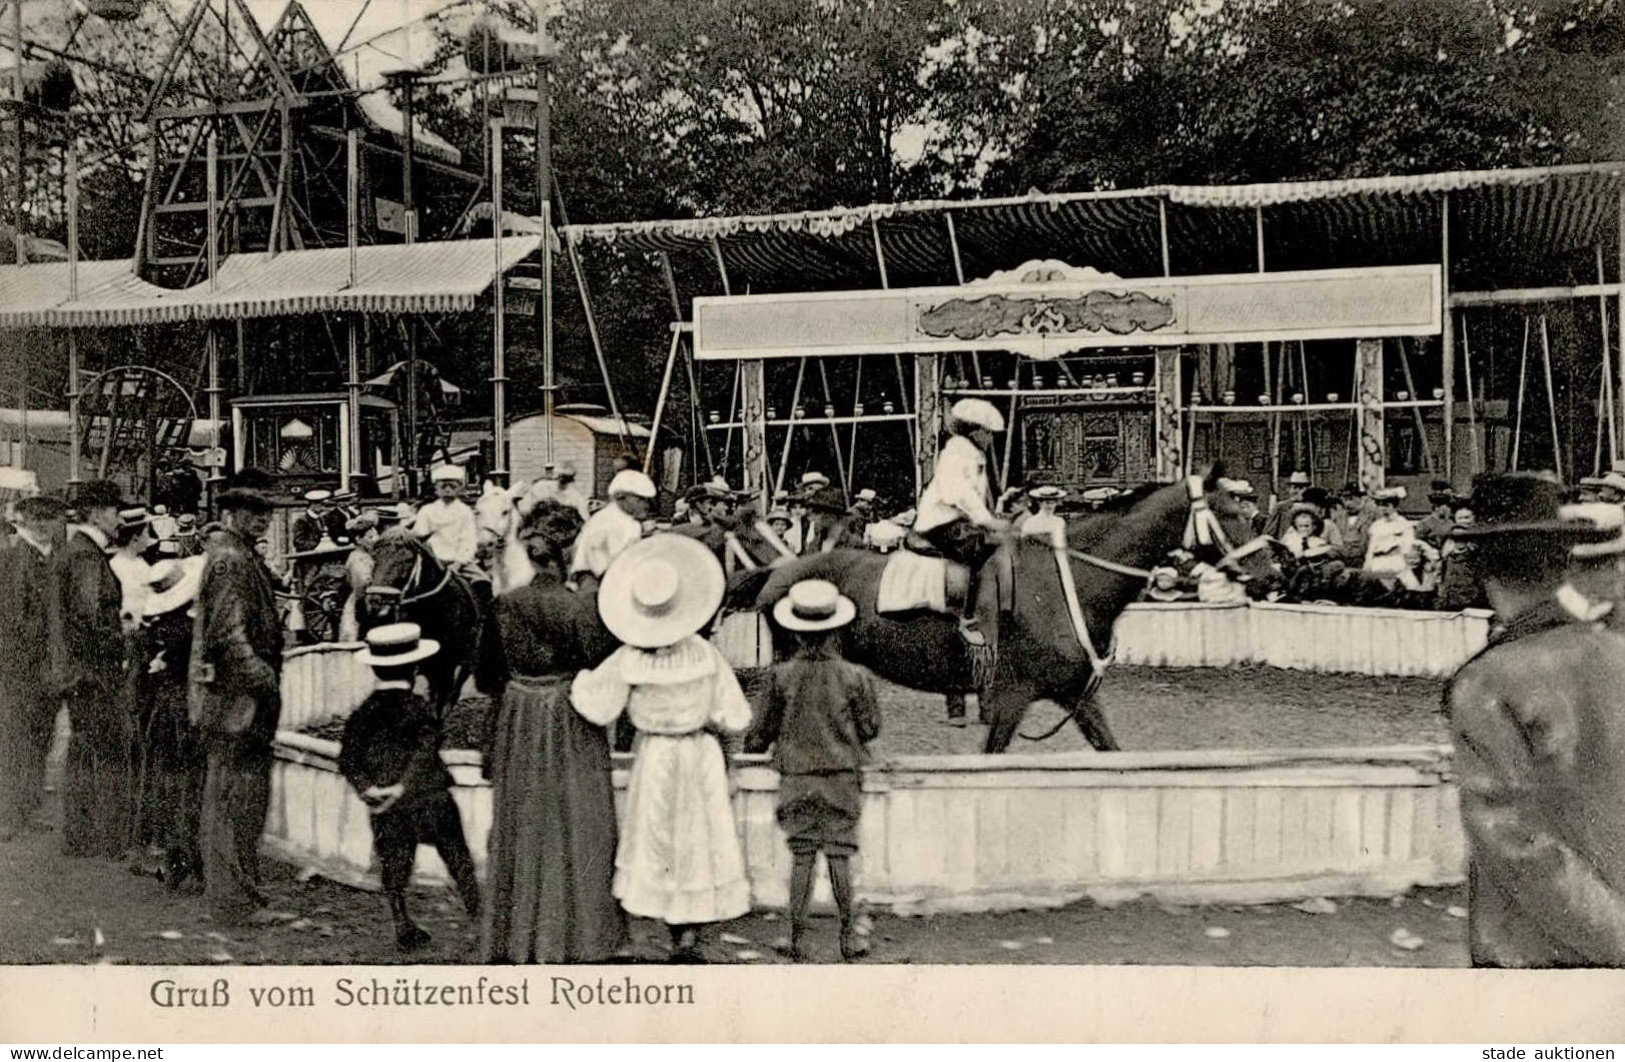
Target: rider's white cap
(631,481)
(977,411)
(454,473)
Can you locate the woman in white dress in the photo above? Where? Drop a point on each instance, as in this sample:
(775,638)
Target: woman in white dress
(679,858)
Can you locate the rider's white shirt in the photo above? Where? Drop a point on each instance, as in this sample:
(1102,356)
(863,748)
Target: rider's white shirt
(958,490)
(450,530)
(1048,526)
(607,532)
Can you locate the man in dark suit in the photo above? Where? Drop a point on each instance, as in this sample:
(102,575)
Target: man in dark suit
(1540,741)
(88,665)
(234,698)
(28,701)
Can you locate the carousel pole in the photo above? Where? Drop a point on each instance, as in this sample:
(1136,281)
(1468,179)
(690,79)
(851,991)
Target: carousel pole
(696,422)
(1472,398)
(73,341)
(1523,381)
(1607,366)
(789,430)
(213,344)
(665,391)
(1551,398)
(499,336)
(352,146)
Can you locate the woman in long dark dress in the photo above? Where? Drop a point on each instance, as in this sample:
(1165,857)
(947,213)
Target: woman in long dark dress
(551,860)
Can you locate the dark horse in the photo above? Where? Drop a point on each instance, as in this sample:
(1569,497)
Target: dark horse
(409,584)
(1039,656)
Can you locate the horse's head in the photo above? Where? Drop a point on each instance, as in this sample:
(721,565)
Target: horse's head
(400,564)
(1220,532)
(496,511)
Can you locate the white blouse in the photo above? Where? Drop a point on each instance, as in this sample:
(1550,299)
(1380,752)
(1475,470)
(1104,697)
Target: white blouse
(676,690)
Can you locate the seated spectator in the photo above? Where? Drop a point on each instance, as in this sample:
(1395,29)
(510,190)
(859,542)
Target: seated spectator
(1435,527)
(1166,586)
(1390,540)
(1213,586)
(1307,530)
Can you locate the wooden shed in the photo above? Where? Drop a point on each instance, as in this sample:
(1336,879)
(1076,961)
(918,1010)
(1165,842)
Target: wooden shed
(583,435)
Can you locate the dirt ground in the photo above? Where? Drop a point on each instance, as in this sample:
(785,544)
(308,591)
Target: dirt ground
(1156,708)
(54,909)
(88,911)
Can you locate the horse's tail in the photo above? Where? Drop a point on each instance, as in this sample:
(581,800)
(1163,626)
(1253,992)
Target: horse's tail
(984,666)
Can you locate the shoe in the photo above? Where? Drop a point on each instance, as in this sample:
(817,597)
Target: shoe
(853,947)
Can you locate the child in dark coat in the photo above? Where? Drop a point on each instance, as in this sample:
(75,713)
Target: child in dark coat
(819,713)
(390,754)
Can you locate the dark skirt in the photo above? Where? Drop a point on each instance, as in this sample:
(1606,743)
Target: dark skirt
(821,811)
(551,860)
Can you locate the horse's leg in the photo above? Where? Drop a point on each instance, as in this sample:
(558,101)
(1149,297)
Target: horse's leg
(1086,712)
(956,708)
(1007,701)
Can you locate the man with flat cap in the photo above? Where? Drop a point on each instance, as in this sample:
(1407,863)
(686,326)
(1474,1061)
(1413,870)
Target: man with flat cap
(88,665)
(28,701)
(1540,740)
(234,698)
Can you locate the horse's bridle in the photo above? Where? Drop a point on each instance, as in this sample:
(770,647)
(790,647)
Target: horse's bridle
(1202,527)
(406,597)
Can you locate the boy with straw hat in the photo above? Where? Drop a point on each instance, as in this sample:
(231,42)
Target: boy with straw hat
(820,713)
(678,858)
(390,754)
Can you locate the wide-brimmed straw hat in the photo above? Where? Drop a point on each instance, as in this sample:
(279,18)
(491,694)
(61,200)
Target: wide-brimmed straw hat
(1046,493)
(396,645)
(660,590)
(174,584)
(814,605)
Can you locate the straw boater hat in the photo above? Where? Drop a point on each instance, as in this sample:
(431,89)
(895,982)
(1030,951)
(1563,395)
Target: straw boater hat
(1299,478)
(631,481)
(1605,516)
(660,590)
(1046,494)
(396,645)
(129,519)
(814,605)
(978,412)
(1528,504)
(173,584)
(1238,488)
(318,495)
(809,480)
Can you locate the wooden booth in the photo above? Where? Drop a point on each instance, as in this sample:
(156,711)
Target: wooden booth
(1379,330)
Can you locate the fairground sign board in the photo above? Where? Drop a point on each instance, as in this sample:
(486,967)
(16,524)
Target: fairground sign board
(1046,309)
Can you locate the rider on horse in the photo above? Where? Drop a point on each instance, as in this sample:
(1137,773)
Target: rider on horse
(956,512)
(614,527)
(447,527)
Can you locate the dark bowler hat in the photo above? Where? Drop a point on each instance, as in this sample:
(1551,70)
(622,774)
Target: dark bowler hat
(41,507)
(99,494)
(1524,503)
(244,498)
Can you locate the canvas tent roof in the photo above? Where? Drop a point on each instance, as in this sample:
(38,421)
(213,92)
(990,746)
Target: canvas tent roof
(1495,215)
(441,277)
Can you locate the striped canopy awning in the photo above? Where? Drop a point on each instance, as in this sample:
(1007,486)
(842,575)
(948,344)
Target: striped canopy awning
(1527,214)
(443,277)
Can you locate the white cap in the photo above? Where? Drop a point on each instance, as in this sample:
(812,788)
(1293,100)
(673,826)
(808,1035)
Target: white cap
(453,473)
(318,495)
(866,494)
(631,481)
(564,468)
(1393,494)
(814,479)
(977,411)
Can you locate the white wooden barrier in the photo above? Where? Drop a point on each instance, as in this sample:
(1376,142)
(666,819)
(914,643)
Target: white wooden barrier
(1365,641)
(321,682)
(957,833)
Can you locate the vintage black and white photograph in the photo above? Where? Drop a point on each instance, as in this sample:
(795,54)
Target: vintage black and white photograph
(755,482)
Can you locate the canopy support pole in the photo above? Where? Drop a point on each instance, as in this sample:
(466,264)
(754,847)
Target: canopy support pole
(1472,397)
(592,322)
(74,440)
(1551,398)
(959,276)
(1162,232)
(1523,379)
(213,340)
(1607,368)
(834,436)
(1416,411)
(499,311)
(1010,429)
(1308,417)
(754,415)
(1619,312)
(790,429)
(353,327)
(852,453)
(1447,347)
(1373,458)
(660,403)
(1258,229)
(695,414)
